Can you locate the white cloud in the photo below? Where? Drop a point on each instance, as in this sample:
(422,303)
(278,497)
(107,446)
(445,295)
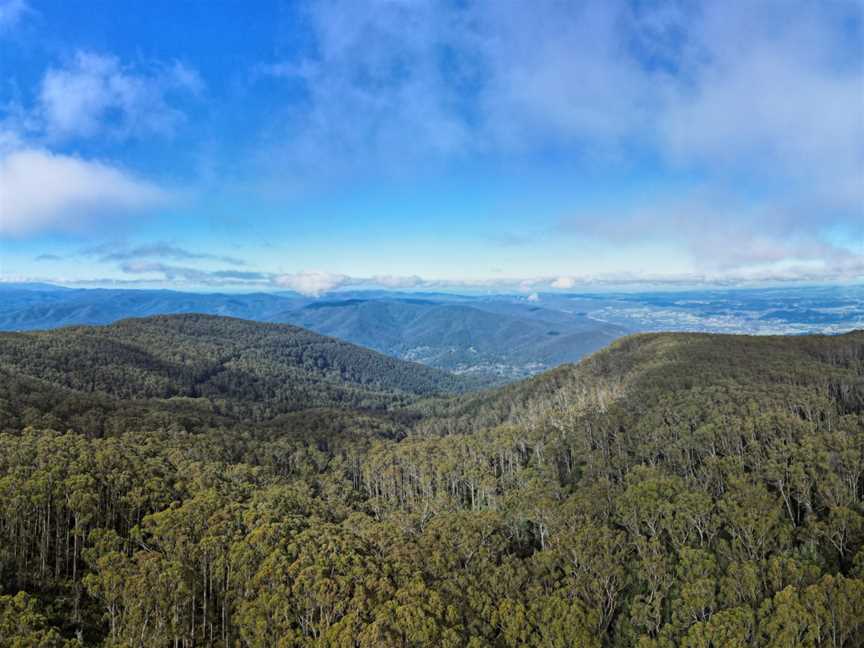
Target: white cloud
(780,91)
(41,191)
(311,282)
(560,72)
(563,283)
(395,282)
(95,95)
(316,283)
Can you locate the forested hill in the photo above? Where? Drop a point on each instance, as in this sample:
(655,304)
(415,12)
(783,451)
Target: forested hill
(236,367)
(670,490)
(691,370)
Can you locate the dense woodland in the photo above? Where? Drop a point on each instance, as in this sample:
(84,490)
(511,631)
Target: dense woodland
(199,367)
(201,481)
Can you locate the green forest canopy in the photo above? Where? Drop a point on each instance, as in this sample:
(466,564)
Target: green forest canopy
(190,480)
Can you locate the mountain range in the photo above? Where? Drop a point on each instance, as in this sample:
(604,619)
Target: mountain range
(493,339)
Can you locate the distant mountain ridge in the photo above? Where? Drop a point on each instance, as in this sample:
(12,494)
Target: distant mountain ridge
(42,308)
(493,339)
(499,339)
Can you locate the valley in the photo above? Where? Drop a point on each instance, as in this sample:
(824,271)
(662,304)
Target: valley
(493,339)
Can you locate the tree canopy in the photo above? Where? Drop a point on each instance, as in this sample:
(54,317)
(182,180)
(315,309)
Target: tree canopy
(670,490)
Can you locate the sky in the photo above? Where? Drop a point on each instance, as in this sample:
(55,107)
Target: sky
(457,145)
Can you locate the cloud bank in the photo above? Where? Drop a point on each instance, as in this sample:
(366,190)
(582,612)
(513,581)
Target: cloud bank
(317,283)
(699,83)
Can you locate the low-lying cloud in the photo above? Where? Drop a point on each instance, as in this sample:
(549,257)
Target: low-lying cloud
(849,268)
(312,282)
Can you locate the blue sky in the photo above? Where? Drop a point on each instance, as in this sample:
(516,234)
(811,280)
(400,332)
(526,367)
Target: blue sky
(428,145)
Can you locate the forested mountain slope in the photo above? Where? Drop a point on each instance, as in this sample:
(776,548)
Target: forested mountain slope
(670,490)
(233,368)
(681,368)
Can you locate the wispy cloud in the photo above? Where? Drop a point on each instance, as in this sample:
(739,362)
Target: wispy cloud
(375,90)
(173,273)
(759,101)
(700,83)
(741,95)
(109,252)
(94,94)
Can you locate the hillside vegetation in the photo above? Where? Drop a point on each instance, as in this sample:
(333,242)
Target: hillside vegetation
(231,368)
(670,490)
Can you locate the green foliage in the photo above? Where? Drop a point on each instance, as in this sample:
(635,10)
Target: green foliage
(22,625)
(201,367)
(673,490)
